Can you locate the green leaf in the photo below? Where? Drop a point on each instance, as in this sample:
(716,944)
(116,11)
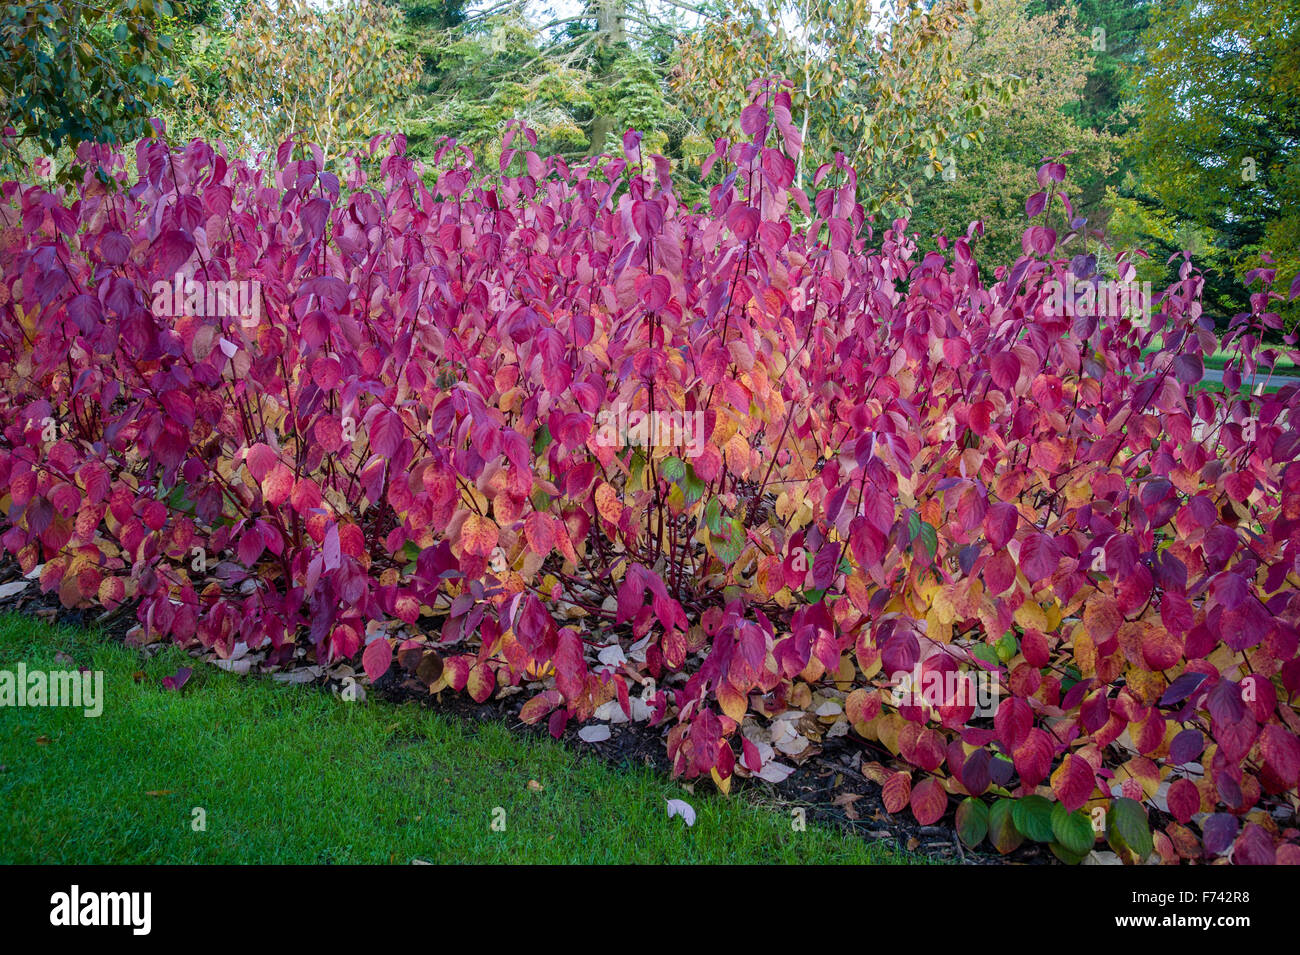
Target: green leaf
(1073,830)
(1002,827)
(728,546)
(930,538)
(713,516)
(541,440)
(1007,646)
(672,469)
(1033,817)
(1065,855)
(692,487)
(1127,828)
(972,821)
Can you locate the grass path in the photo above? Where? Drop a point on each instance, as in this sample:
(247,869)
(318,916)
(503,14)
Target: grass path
(292,775)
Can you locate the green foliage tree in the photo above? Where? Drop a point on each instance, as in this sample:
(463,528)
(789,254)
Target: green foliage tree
(331,75)
(1114,29)
(578,80)
(423,33)
(886,88)
(1217,144)
(1050,54)
(202,31)
(79,72)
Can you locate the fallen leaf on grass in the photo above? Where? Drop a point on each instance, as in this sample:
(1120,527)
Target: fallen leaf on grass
(177,679)
(159,792)
(535,786)
(679,807)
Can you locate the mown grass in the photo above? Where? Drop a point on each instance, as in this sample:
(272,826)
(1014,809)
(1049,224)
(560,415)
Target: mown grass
(290,774)
(1219,358)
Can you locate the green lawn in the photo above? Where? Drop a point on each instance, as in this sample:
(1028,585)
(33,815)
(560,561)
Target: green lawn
(1218,360)
(289,774)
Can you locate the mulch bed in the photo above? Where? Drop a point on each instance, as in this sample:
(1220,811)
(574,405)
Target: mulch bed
(827,785)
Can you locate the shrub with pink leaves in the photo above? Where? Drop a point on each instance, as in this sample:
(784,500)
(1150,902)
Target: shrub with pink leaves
(757,473)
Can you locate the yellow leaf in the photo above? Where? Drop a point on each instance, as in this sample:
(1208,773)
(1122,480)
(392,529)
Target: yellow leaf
(723,783)
(733,702)
(1030,616)
(942,605)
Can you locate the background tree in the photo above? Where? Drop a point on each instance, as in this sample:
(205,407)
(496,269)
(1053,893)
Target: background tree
(1114,29)
(334,75)
(79,72)
(884,87)
(202,31)
(578,79)
(1050,53)
(423,33)
(1217,143)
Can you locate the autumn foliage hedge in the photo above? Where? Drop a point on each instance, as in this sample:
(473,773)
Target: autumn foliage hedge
(904,460)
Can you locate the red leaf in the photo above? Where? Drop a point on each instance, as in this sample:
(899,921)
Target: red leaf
(540,533)
(897,791)
(1184,800)
(1012,721)
(536,708)
(278,485)
(480,682)
(456,671)
(1006,370)
(1039,557)
(377,658)
(1033,758)
(386,434)
(1000,524)
(1073,782)
(929,801)
(261,458)
(743,221)
(653,291)
(1281,752)
(478,535)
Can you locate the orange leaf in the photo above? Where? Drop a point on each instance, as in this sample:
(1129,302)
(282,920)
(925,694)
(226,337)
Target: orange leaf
(607,503)
(478,536)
